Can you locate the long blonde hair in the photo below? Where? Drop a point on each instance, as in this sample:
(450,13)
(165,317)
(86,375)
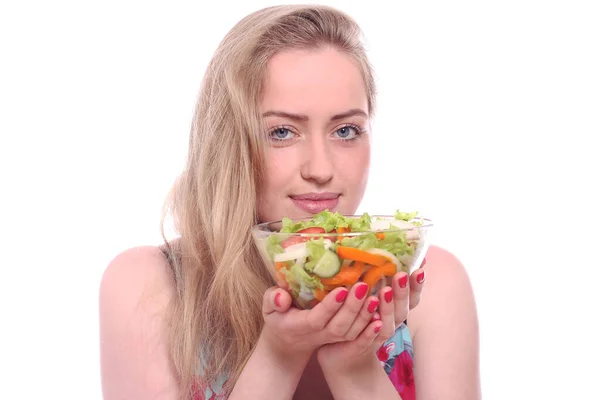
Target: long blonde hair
(219,276)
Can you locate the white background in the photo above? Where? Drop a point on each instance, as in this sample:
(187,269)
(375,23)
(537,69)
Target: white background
(488,117)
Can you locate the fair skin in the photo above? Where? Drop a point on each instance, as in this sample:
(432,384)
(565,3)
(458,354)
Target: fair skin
(334,344)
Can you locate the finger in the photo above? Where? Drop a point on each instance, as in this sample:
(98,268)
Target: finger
(368,335)
(366,315)
(376,317)
(401,297)
(386,310)
(320,315)
(417,280)
(342,321)
(276,299)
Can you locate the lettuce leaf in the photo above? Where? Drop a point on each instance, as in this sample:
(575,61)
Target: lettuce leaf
(316,249)
(273,246)
(361,224)
(394,242)
(289,226)
(363,242)
(297,278)
(405,216)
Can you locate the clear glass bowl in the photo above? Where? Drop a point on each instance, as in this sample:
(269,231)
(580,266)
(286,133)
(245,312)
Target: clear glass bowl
(312,262)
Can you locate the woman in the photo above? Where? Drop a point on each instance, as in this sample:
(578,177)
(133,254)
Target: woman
(281,128)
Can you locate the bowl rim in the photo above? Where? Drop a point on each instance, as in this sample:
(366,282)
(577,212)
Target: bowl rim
(427,223)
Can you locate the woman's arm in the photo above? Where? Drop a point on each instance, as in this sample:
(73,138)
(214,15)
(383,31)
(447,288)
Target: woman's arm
(368,382)
(269,374)
(446,332)
(134,294)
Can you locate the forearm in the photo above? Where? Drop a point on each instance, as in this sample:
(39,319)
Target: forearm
(269,374)
(369,382)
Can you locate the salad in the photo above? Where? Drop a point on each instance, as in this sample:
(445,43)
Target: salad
(341,251)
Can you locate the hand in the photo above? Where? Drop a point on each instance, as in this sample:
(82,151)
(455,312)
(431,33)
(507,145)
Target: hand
(292,332)
(417,280)
(360,350)
(373,334)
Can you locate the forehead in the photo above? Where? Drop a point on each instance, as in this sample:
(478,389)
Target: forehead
(314,82)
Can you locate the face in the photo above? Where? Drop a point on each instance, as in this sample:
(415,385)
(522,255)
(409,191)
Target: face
(315,106)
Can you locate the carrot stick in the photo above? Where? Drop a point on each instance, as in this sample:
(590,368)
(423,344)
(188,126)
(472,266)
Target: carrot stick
(320,294)
(281,281)
(351,253)
(380,236)
(342,230)
(373,275)
(348,275)
(279,265)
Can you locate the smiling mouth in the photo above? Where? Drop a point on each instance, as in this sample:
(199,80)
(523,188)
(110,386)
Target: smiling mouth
(314,203)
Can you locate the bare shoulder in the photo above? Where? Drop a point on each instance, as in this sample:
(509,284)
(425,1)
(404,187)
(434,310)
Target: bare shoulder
(135,292)
(446,331)
(446,275)
(137,269)
(447,281)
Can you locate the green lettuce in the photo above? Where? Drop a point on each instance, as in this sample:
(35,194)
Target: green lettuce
(316,249)
(405,216)
(329,221)
(297,277)
(394,242)
(361,224)
(289,226)
(273,246)
(363,242)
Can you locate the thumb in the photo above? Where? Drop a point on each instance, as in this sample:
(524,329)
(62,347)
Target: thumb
(276,299)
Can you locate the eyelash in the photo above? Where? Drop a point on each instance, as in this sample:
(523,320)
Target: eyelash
(356,128)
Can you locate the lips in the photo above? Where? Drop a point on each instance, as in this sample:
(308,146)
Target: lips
(316,202)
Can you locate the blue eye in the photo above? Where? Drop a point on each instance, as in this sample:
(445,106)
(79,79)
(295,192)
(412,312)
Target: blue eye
(281,134)
(347,132)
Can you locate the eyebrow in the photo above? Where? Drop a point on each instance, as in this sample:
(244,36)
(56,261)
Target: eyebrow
(299,117)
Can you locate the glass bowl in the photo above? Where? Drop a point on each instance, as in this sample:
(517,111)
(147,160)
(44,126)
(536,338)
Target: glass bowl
(312,256)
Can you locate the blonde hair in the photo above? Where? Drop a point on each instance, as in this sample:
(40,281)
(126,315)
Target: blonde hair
(219,276)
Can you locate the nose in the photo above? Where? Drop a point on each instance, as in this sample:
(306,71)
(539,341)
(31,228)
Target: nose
(318,163)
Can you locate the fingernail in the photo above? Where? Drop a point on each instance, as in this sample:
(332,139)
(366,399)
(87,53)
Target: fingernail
(388,296)
(421,277)
(402,282)
(361,291)
(378,328)
(376,317)
(341,296)
(373,305)
(276,300)
(424,262)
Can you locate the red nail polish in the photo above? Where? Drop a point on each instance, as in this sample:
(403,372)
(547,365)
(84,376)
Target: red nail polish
(378,328)
(388,296)
(421,277)
(361,291)
(341,296)
(373,305)
(402,282)
(276,300)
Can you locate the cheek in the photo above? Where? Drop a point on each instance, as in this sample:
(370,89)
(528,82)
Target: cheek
(353,174)
(354,165)
(273,189)
(280,167)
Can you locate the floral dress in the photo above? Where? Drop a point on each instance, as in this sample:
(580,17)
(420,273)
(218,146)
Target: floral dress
(395,355)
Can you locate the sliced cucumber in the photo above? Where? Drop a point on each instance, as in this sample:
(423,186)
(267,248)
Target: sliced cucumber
(328,265)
